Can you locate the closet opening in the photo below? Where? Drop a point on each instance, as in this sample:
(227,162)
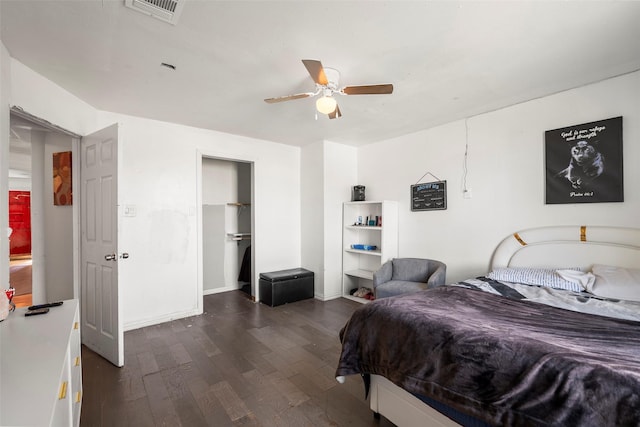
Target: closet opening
(227,220)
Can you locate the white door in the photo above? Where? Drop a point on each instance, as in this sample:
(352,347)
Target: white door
(101,324)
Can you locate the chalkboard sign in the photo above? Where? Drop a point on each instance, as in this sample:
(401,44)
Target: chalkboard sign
(429,196)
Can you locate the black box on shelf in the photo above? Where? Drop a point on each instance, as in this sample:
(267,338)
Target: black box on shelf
(284,286)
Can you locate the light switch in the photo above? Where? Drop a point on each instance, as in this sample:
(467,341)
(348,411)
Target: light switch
(130,210)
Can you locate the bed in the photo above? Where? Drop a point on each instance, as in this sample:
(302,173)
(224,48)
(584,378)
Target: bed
(511,348)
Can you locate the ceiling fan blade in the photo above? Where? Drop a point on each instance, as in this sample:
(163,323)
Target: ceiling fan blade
(316,71)
(288,97)
(335,114)
(368,90)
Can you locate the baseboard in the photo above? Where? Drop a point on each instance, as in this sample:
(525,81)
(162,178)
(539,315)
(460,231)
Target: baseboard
(219,290)
(162,319)
(174,316)
(326,298)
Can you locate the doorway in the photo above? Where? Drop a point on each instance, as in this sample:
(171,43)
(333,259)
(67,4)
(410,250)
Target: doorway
(41,239)
(227,218)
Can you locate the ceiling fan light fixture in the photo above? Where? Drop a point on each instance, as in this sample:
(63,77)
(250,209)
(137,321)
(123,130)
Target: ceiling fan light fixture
(326,105)
(327,85)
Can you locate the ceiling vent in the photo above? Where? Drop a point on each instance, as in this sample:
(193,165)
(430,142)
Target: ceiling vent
(164,10)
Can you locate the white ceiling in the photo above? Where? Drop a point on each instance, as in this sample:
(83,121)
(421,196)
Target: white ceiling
(447,60)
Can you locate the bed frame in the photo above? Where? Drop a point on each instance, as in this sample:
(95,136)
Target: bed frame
(553,247)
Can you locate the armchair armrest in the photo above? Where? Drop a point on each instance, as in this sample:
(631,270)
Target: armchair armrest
(438,277)
(383,274)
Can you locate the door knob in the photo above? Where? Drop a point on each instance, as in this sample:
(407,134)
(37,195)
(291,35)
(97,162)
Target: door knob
(110,257)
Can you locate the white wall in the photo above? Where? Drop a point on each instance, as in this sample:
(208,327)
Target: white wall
(219,187)
(505,173)
(340,171)
(328,172)
(215,258)
(58,226)
(312,210)
(43,98)
(38,217)
(219,182)
(158,174)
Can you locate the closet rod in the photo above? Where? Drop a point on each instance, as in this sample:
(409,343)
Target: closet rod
(239,236)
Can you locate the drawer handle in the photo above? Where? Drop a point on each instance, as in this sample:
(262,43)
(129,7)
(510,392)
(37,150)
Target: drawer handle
(78,397)
(63,391)
(77,362)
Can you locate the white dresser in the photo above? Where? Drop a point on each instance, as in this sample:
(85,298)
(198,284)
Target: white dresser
(40,368)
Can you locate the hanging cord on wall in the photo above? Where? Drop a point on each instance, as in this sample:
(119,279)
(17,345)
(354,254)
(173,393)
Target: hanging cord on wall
(428,173)
(465,169)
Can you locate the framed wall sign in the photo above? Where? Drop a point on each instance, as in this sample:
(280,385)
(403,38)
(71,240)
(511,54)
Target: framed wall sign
(584,163)
(429,196)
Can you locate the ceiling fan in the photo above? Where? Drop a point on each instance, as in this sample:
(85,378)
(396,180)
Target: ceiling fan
(327,84)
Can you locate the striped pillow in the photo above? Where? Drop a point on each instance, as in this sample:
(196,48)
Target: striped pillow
(535,276)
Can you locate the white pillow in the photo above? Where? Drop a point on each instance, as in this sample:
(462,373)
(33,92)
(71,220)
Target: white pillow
(535,276)
(582,278)
(616,282)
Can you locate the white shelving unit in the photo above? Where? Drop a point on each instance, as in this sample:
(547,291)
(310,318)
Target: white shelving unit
(358,265)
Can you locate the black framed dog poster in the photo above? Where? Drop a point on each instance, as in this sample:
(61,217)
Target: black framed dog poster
(584,163)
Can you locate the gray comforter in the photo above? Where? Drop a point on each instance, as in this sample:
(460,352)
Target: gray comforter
(504,361)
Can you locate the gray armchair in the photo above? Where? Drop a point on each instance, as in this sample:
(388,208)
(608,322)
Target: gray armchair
(404,275)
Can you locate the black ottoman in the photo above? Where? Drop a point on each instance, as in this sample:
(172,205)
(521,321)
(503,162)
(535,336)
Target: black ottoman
(281,287)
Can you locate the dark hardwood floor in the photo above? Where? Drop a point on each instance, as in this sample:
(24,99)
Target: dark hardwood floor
(239,363)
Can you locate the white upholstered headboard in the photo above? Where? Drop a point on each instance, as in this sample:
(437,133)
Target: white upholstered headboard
(569,246)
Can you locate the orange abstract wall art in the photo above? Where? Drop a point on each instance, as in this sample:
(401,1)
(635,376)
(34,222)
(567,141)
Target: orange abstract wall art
(62,189)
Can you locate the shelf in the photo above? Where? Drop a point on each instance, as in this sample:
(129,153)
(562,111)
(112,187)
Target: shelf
(360,251)
(364,202)
(357,299)
(363,227)
(362,274)
(358,265)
